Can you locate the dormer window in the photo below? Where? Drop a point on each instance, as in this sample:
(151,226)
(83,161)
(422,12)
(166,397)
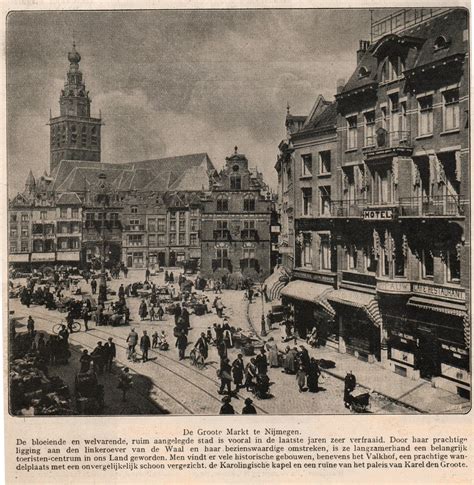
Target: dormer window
(363,72)
(441,43)
(393,68)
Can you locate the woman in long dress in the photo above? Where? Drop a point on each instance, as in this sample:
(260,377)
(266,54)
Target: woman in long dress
(272,353)
(313,375)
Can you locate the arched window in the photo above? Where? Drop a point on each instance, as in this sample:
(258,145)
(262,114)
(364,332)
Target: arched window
(235,182)
(363,72)
(249,203)
(222,203)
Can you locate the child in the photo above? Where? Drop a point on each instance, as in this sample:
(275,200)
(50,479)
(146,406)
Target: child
(301,378)
(154,343)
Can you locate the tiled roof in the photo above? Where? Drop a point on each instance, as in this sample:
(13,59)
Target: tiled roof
(68,198)
(325,120)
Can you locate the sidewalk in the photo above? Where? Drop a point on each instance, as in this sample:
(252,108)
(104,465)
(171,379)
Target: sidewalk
(419,394)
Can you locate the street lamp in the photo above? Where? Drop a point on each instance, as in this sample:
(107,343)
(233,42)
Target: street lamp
(104,199)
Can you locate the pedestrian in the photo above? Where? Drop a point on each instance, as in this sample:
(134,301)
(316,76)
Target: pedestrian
(238,371)
(143,310)
(145,345)
(85,316)
(121,291)
(64,336)
(94,286)
(250,374)
(303,357)
(126,314)
(269,320)
(163,343)
(171,278)
(225,376)
(289,360)
(152,313)
(181,343)
(219,332)
(301,378)
(125,271)
(185,318)
(222,349)
(202,346)
(154,340)
(30,326)
(219,307)
(132,340)
(147,274)
(110,353)
(125,382)
(261,362)
(349,386)
(226,407)
(167,278)
(98,358)
(313,375)
(249,408)
(160,312)
(272,348)
(85,361)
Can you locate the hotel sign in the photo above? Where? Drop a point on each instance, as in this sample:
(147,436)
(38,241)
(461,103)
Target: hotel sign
(43,257)
(379,214)
(440,291)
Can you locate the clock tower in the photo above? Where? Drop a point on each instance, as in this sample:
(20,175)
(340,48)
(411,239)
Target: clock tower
(74,134)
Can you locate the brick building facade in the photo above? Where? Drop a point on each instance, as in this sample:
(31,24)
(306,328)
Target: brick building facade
(394,284)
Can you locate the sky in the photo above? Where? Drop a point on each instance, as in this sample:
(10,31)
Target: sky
(176,82)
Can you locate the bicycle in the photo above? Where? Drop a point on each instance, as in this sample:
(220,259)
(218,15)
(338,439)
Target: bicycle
(197,359)
(75,327)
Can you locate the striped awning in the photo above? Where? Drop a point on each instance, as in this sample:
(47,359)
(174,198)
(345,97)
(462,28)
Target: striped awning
(363,301)
(310,292)
(451,308)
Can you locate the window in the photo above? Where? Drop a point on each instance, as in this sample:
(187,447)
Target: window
(135,239)
(370,262)
(194,225)
(152,239)
(249,224)
(453,266)
(63,212)
(351,256)
(383,193)
(84,136)
(425,123)
(161,224)
(325,162)
(325,200)
(63,243)
(43,215)
(393,68)
(193,240)
(75,212)
(403,121)
(74,243)
(152,225)
(307,196)
(394,118)
(24,247)
(94,136)
(134,209)
(427,262)
(75,227)
(24,218)
(363,72)
(13,247)
(222,203)
(13,232)
(221,225)
(221,256)
(440,43)
(352,132)
(248,253)
(249,203)
(451,110)
(173,222)
(325,251)
(307,251)
(182,222)
(173,238)
(13,218)
(24,231)
(161,239)
(383,110)
(369,128)
(306,165)
(235,182)
(399,257)
(182,239)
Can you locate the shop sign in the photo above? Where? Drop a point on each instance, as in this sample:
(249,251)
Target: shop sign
(454,373)
(316,277)
(403,356)
(379,214)
(439,291)
(69,256)
(393,286)
(19,258)
(43,256)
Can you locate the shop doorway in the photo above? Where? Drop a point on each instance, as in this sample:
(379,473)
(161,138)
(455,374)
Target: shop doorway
(172,259)
(129,261)
(427,354)
(161,258)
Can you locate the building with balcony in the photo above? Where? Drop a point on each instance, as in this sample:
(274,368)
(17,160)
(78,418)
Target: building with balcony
(237,214)
(394,207)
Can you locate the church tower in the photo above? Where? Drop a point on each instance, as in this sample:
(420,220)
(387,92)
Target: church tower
(74,134)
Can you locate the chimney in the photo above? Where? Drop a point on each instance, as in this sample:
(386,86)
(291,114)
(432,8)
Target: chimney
(340,83)
(363,46)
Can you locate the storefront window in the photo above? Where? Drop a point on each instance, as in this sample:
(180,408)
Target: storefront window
(427,261)
(453,266)
(307,251)
(325,251)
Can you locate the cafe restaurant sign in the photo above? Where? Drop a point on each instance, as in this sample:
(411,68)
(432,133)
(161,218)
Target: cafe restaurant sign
(379,214)
(440,291)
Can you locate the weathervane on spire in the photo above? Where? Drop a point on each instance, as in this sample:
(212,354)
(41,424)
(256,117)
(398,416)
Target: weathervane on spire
(287,107)
(235,149)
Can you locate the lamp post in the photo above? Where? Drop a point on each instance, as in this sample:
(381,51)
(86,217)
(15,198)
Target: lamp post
(104,199)
(263,332)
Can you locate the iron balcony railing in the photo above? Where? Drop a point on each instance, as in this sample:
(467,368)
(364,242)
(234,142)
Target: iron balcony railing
(222,235)
(441,205)
(347,208)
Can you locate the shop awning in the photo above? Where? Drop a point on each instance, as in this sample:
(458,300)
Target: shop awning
(456,309)
(363,301)
(311,292)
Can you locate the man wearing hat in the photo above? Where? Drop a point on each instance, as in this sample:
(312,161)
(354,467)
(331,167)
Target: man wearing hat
(226,406)
(249,408)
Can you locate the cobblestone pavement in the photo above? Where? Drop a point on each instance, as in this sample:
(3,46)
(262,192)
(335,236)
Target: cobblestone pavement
(164,384)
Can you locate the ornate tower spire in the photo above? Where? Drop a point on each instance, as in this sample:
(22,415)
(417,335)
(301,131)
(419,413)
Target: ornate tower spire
(75,135)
